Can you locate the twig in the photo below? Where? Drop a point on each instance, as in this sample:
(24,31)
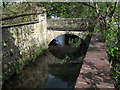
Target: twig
(88,5)
(41,12)
(112,12)
(21,24)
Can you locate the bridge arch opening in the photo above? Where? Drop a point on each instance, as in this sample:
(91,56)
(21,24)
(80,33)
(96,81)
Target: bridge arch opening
(66,45)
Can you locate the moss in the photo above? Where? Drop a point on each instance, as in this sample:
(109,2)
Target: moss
(19,66)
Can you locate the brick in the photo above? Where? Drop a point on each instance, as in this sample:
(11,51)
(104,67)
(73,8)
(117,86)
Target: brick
(95,71)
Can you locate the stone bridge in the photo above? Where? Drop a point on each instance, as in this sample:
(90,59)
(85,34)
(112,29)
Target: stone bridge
(21,43)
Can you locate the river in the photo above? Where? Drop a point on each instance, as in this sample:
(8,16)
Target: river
(46,72)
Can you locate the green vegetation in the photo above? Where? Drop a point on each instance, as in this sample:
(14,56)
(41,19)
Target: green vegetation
(17,67)
(116,74)
(66,10)
(65,60)
(102,15)
(110,35)
(14,9)
(75,43)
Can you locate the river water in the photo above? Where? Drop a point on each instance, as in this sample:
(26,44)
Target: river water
(47,72)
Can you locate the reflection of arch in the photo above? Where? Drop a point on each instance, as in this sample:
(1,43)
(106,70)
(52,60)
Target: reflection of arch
(61,46)
(64,37)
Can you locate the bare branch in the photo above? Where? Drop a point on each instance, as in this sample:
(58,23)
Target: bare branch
(12,17)
(113,11)
(98,12)
(88,5)
(20,24)
(41,12)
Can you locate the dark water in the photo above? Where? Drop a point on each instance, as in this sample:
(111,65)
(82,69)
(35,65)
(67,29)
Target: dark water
(46,72)
(66,45)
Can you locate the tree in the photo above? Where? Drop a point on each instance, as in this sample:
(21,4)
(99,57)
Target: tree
(105,13)
(102,14)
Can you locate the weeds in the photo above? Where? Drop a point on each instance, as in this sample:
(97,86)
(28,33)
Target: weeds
(65,60)
(17,67)
(116,74)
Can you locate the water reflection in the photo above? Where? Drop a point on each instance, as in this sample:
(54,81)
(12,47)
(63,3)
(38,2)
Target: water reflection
(66,45)
(46,72)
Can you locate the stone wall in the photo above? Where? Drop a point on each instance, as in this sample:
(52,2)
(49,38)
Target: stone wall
(52,34)
(66,24)
(22,44)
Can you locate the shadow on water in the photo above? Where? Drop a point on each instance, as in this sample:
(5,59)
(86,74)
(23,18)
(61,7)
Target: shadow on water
(48,72)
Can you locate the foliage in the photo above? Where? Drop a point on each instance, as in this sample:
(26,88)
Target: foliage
(66,9)
(65,60)
(116,74)
(75,43)
(13,9)
(110,35)
(17,67)
(104,14)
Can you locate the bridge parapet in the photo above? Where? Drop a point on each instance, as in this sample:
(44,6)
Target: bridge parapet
(70,23)
(77,26)
(22,43)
